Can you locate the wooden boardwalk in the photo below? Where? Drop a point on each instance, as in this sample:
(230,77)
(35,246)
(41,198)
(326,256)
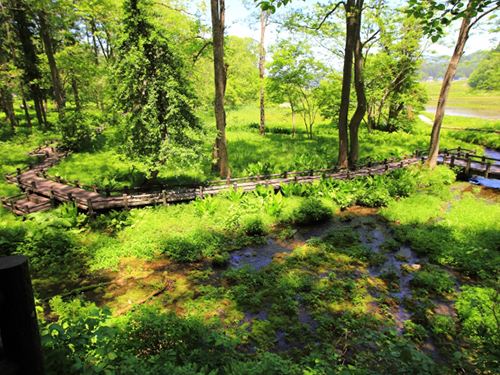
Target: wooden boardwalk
(42,191)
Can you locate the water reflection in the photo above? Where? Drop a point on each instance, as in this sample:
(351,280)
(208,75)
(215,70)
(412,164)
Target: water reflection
(484,113)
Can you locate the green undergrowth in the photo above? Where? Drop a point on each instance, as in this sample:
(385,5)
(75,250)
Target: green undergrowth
(249,152)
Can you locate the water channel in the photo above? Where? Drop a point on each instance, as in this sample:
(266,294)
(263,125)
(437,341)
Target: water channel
(483,113)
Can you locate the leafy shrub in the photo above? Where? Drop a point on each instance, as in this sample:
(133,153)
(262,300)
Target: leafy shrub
(191,246)
(442,324)
(435,280)
(415,332)
(341,237)
(79,342)
(311,211)
(221,260)
(77,129)
(252,225)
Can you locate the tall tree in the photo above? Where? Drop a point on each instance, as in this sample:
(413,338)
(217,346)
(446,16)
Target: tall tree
(435,15)
(353,59)
(218,10)
(159,126)
(30,62)
(49,52)
(294,75)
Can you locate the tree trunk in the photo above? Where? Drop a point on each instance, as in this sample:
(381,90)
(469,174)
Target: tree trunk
(394,110)
(262,61)
(74,85)
(31,71)
(220,70)
(350,44)
(360,90)
(56,79)
(26,109)
(445,89)
(8,107)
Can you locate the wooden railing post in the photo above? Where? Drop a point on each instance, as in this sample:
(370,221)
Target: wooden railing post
(51,197)
(94,187)
(77,184)
(285,174)
(70,197)
(452,160)
(107,192)
(467,168)
(258,177)
(311,172)
(90,209)
(164,197)
(348,174)
(483,159)
(487,172)
(200,191)
(417,153)
(125,201)
(18,323)
(386,167)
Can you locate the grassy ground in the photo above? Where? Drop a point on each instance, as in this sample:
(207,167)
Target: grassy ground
(333,297)
(462,96)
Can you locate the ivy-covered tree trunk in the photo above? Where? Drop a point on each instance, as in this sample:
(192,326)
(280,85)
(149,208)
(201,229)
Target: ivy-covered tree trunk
(220,70)
(445,89)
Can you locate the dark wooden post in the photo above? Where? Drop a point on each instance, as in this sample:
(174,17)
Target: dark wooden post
(107,192)
(487,172)
(452,160)
(70,197)
(386,167)
(311,172)
(77,184)
(483,158)
(164,197)
(348,174)
(445,156)
(58,178)
(467,168)
(446,151)
(18,171)
(33,185)
(51,197)
(296,179)
(90,208)
(18,323)
(417,153)
(285,174)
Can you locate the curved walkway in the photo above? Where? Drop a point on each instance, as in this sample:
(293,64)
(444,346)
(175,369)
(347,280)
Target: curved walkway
(41,191)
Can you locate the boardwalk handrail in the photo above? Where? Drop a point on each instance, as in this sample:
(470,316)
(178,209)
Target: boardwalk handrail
(128,197)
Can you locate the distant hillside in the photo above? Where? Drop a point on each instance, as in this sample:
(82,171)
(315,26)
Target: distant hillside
(436,66)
